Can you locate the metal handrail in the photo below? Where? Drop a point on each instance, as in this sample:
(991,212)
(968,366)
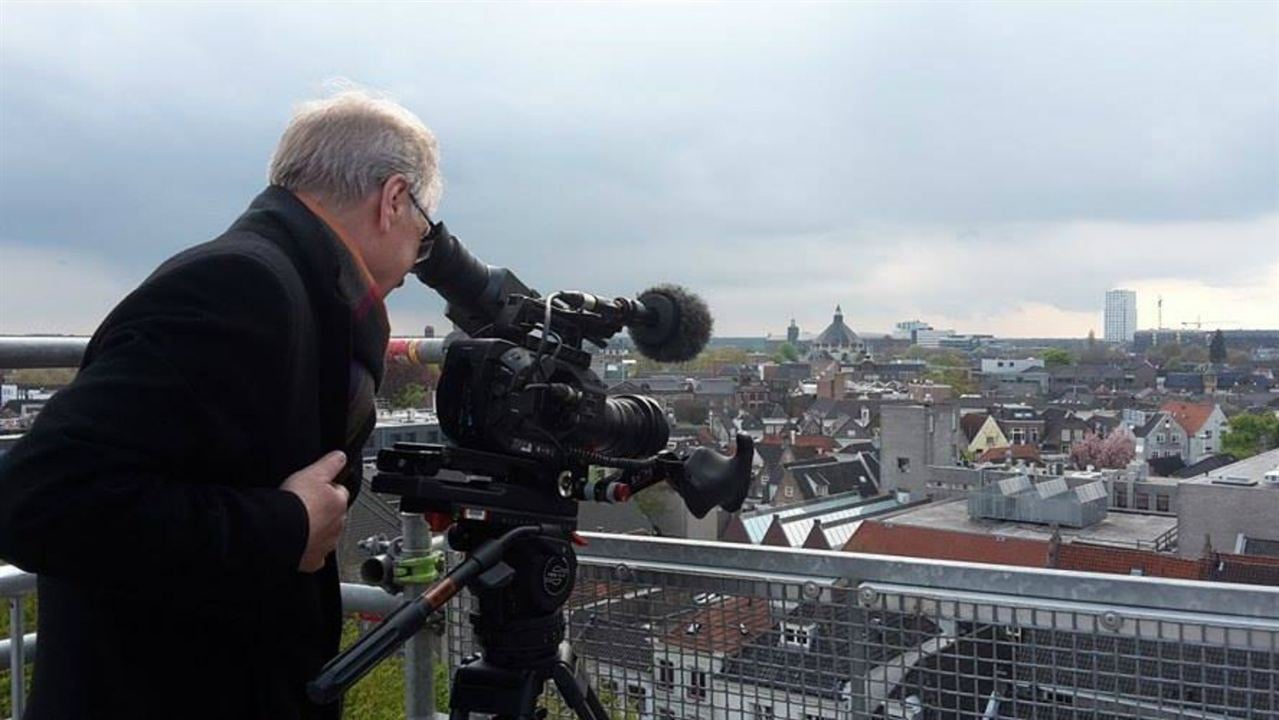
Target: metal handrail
(1043,584)
(16,584)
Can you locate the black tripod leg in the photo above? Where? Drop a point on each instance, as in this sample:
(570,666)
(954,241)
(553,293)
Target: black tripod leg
(574,684)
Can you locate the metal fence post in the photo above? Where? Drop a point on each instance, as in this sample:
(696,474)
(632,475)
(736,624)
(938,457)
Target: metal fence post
(419,660)
(17,664)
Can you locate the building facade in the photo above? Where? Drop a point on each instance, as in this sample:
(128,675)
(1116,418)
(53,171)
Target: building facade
(1121,315)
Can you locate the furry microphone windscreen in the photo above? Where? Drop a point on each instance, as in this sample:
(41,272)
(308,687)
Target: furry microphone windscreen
(683,324)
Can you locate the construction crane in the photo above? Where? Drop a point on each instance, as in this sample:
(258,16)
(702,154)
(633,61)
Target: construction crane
(1199,324)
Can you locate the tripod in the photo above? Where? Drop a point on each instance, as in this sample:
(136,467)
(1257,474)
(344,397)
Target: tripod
(519,564)
(522,647)
(514,517)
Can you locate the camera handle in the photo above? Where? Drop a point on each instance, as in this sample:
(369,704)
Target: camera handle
(703,479)
(343,671)
(710,479)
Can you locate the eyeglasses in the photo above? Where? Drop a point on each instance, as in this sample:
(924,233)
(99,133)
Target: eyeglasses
(428,237)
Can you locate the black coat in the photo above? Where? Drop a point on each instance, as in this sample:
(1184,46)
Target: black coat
(146,493)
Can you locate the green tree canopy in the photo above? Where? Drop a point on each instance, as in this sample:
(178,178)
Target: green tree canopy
(1251,433)
(412,395)
(1056,357)
(786,353)
(1217,349)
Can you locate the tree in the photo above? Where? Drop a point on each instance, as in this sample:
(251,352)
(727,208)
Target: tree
(1164,354)
(1113,452)
(1194,355)
(412,395)
(786,353)
(957,378)
(1217,349)
(1056,357)
(1251,433)
(399,375)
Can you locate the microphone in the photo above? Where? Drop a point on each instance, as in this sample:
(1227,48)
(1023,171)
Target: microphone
(673,324)
(668,322)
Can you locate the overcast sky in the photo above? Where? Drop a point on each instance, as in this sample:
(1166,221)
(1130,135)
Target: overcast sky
(988,168)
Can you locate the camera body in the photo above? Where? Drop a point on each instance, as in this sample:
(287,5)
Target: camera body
(497,396)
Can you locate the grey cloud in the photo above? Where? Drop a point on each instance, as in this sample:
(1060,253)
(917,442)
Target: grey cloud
(718,145)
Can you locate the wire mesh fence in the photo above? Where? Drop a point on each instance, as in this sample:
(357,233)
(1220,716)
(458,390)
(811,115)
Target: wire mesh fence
(673,644)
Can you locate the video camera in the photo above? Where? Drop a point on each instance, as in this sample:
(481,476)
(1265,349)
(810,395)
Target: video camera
(534,432)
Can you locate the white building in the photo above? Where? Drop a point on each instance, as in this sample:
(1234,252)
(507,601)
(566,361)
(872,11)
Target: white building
(906,330)
(1009,366)
(1121,315)
(932,338)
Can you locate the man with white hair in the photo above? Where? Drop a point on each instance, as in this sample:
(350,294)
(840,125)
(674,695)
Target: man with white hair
(181,500)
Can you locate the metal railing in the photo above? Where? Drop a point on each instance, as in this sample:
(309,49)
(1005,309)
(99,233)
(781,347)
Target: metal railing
(16,585)
(685,630)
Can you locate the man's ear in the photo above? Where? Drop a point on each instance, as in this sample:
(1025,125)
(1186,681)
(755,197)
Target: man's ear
(393,200)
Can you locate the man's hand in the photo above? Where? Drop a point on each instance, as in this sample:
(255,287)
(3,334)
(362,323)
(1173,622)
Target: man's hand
(325,503)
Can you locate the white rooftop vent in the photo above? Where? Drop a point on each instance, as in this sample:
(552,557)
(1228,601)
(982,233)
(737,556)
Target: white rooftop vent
(1091,491)
(1236,480)
(1271,478)
(1014,485)
(1051,488)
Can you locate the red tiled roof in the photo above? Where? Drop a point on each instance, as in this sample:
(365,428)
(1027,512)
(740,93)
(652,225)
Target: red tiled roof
(816,539)
(923,542)
(735,530)
(1190,416)
(775,535)
(1020,452)
(722,627)
(1084,557)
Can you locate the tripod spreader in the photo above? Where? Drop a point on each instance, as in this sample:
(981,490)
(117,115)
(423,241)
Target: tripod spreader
(343,671)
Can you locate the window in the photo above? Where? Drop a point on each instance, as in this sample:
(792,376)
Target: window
(797,635)
(903,464)
(1141,500)
(636,692)
(1207,434)
(762,712)
(1019,436)
(1121,496)
(788,491)
(1161,503)
(665,714)
(665,674)
(697,684)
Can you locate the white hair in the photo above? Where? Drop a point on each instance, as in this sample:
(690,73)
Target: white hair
(344,147)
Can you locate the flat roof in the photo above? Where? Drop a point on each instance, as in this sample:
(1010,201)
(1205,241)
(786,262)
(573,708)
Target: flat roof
(1118,528)
(1253,468)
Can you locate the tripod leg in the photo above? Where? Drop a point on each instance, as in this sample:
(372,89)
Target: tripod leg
(574,684)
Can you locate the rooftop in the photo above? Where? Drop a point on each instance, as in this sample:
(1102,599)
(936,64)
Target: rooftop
(1251,469)
(1118,528)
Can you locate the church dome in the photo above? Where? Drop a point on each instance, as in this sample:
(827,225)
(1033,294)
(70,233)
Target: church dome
(837,334)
